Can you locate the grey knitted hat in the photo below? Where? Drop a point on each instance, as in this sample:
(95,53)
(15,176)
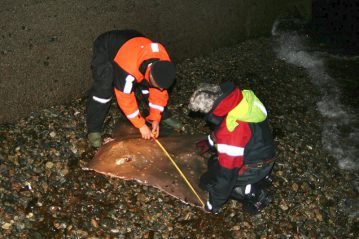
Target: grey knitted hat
(203,98)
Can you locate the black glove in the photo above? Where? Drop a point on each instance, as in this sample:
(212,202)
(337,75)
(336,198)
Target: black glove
(203,146)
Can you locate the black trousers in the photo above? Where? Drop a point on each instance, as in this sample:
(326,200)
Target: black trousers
(257,178)
(105,49)
(250,176)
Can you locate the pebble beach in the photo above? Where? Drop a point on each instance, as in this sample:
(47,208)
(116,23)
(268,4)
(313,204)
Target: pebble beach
(45,193)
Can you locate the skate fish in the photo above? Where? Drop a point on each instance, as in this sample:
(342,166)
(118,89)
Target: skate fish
(129,157)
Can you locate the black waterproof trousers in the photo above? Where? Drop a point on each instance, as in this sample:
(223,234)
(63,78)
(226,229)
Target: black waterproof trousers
(105,49)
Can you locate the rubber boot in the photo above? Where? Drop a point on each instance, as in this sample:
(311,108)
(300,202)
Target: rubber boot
(253,199)
(95,139)
(256,202)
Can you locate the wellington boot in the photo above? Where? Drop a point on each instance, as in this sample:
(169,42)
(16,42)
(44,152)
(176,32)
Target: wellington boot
(95,139)
(256,204)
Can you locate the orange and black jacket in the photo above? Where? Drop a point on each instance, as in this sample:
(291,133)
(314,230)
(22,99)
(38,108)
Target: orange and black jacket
(132,64)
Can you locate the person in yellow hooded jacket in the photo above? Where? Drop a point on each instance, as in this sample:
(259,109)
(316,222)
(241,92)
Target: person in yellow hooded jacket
(125,62)
(242,143)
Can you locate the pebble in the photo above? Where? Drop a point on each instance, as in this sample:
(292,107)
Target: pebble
(295,187)
(49,165)
(94,223)
(6,226)
(283,205)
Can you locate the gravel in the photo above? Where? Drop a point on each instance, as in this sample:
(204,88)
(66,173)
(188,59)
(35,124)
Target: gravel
(45,193)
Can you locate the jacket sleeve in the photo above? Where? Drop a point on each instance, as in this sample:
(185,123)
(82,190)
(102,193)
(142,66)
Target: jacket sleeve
(128,104)
(157,102)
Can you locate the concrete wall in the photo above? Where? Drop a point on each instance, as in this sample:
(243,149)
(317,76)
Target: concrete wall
(46,45)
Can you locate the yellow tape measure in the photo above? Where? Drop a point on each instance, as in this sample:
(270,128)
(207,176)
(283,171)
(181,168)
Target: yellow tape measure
(179,170)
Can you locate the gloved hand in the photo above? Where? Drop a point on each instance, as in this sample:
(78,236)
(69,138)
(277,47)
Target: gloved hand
(203,146)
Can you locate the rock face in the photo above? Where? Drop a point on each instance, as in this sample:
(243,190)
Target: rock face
(46,46)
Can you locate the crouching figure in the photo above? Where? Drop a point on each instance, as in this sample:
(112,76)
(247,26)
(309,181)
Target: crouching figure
(241,143)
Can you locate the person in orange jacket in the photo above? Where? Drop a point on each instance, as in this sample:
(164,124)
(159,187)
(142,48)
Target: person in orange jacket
(123,62)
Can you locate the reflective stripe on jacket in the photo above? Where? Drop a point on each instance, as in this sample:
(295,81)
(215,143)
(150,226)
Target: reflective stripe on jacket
(131,55)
